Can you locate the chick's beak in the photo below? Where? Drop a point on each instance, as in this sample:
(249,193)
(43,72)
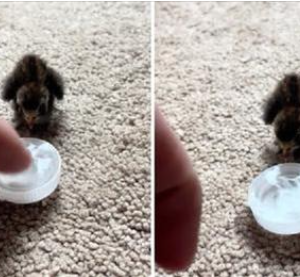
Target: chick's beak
(286,150)
(30,120)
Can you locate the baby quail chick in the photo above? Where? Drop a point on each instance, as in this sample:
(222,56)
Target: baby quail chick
(282,109)
(33,87)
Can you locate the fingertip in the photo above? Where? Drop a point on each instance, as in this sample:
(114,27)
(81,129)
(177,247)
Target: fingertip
(172,165)
(13,155)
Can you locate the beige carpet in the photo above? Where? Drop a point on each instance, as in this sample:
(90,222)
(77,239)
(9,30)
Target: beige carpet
(98,222)
(216,63)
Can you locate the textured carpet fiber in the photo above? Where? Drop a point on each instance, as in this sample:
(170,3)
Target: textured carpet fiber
(98,222)
(216,63)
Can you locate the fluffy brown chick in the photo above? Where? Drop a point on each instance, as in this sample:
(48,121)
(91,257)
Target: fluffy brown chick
(282,109)
(33,87)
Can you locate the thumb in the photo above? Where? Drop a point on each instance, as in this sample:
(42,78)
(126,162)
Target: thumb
(13,155)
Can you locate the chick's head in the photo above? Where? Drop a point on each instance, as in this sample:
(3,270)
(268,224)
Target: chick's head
(32,99)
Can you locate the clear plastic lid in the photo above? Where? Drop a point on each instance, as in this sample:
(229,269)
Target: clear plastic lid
(274,198)
(39,180)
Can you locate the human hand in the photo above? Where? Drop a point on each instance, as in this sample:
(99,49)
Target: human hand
(178,200)
(13,155)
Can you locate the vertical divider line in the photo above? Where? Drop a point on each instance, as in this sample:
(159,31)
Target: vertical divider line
(152,138)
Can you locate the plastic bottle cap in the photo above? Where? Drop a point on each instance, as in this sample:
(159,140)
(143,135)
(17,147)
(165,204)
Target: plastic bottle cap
(39,180)
(274,198)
